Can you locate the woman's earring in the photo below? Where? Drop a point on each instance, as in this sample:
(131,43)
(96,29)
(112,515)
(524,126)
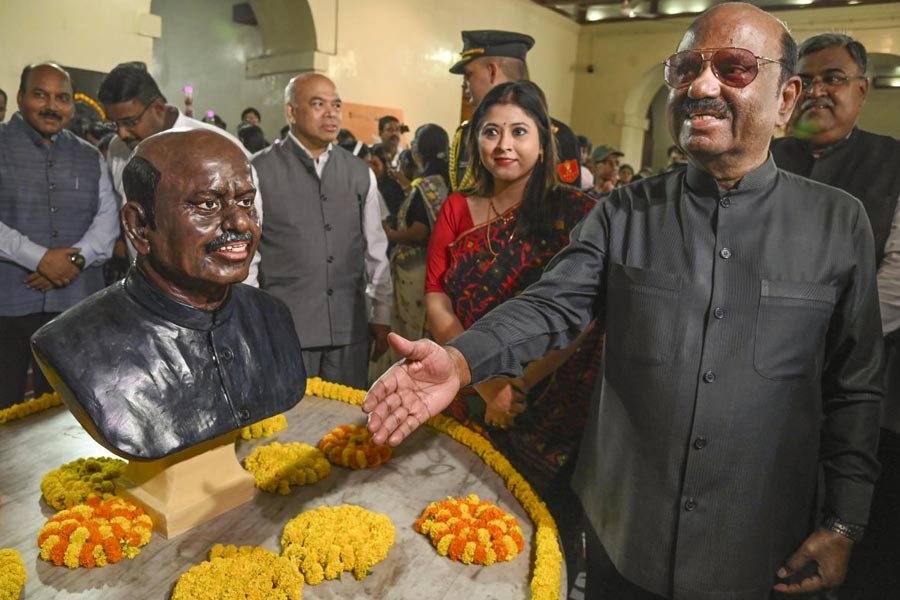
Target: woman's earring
(541,156)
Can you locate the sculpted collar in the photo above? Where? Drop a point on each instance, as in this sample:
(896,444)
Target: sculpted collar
(702,183)
(158,302)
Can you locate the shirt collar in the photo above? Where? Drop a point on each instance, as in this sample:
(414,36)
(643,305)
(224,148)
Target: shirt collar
(820,152)
(703,184)
(161,304)
(322,157)
(18,121)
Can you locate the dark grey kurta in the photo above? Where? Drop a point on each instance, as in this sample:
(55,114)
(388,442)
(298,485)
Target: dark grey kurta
(743,352)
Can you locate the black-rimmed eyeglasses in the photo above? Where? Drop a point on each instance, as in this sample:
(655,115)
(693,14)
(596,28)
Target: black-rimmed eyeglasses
(735,67)
(129,122)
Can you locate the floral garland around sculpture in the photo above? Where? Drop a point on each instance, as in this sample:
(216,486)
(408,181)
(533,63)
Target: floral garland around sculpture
(471,530)
(248,572)
(24,409)
(546,579)
(12,574)
(75,482)
(332,539)
(92,103)
(264,428)
(276,467)
(95,533)
(351,446)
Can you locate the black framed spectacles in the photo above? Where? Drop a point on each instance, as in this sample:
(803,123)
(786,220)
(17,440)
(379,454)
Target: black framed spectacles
(831,81)
(129,122)
(735,67)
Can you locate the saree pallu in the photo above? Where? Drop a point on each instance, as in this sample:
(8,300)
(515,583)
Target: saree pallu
(487,265)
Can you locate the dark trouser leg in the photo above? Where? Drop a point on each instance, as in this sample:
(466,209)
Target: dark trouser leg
(15,356)
(347,365)
(603,581)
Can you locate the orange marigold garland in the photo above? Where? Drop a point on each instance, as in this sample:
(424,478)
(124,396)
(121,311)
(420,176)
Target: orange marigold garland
(75,482)
(95,533)
(470,530)
(248,572)
(264,428)
(351,446)
(276,467)
(332,539)
(12,574)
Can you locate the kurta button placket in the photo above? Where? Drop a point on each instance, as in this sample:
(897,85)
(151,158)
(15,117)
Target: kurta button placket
(725,253)
(227,354)
(327,227)
(690,504)
(700,443)
(244,414)
(719,312)
(725,202)
(709,377)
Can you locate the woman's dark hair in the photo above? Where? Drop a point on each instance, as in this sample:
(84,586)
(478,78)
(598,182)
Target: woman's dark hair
(249,110)
(382,153)
(432,144)
(252,138)
(540,208)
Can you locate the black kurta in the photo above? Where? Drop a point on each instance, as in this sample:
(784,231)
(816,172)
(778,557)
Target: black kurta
(743,354)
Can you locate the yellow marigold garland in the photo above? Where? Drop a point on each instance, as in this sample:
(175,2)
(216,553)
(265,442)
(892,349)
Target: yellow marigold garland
(245,573)
(12,574)
(94,534)
(471,530)
(88,100)
(79,480)
(546,579)
(276,467)
(23,409)
(351,446)
(264,428)
(332,539)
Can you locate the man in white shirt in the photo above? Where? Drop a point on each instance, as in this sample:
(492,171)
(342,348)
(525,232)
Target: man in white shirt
(323,245)
(136,109)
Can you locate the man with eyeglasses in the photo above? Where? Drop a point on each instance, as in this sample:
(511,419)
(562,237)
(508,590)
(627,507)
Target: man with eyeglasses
(827,146)
(58,221)
(136,109)
(742,355)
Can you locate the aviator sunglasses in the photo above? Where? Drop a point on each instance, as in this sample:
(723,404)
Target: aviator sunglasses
(735,67)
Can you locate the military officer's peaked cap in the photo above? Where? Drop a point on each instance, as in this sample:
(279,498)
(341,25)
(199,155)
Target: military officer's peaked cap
(490,42)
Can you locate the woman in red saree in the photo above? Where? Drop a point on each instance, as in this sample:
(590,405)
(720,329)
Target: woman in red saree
(490,241)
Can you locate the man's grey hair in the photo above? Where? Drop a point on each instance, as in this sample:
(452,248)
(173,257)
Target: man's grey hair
(824,41)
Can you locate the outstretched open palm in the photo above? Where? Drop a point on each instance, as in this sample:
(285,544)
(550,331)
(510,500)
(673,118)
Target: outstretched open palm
(413,390)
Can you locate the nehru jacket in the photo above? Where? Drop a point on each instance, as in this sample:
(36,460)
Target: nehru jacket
(743,360)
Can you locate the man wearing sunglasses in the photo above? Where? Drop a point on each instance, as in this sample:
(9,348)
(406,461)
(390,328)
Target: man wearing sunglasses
(742,356)
(827,146)
(136,109)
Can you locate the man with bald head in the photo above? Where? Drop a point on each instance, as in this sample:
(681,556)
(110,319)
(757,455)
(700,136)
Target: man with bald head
(730,453)
(179,352)
(57,221)
(323,245)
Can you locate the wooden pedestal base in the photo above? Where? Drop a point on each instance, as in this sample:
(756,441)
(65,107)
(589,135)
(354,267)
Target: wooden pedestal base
(189,488)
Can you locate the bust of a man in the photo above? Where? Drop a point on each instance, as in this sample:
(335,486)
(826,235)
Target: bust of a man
(179,352)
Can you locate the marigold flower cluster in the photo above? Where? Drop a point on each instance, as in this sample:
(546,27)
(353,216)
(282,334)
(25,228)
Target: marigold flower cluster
(547,576)
(276,467)
(88,100)
(23,409)
(79,480)
(334,391)
(470,530)
(264,428)
(245,573)
(12,574)
(94,534)
(351,446)
(332,539)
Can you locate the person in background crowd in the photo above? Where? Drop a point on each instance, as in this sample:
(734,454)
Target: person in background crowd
(645,171)
(605,168)
(489,58)
(490,242)
(214,119)
(323,244)
(390,131)
(250,116)
(587,178)
(58,221)
(675,158)
(626,174)
(252,138)
(136,109)
(828,146)
(731,454)
(379,159)
(3,100)
(285,131)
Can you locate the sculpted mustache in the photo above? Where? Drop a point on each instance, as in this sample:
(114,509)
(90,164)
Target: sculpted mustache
(229,237)
(51,114)
(704,104)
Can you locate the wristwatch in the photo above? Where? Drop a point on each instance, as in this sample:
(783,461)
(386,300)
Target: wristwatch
(848,530)
(78,261)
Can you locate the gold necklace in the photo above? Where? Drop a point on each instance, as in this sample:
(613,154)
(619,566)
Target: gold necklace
(487,229)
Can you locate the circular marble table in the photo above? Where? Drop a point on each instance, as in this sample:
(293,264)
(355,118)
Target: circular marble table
(428,466)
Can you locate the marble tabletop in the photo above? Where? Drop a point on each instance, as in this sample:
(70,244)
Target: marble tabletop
(427,467)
